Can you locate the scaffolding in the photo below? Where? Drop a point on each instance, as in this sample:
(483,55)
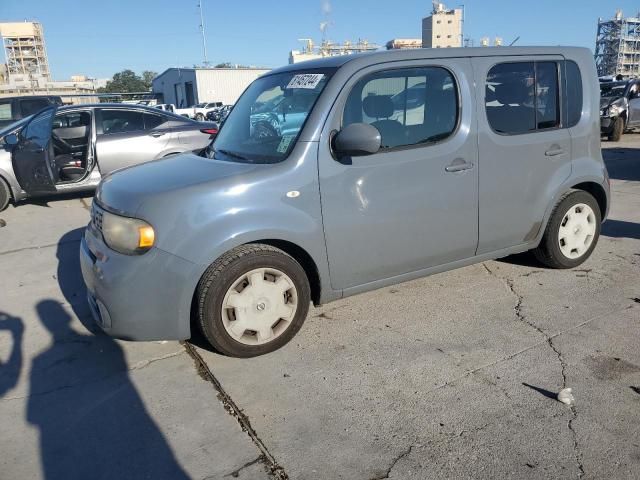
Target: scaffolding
(327,48)
(618,46)
(25,52)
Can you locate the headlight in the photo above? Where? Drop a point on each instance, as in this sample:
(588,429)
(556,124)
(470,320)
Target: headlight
(614,110)
(127,235)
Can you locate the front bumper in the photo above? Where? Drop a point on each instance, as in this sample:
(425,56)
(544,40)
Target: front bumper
(142,297)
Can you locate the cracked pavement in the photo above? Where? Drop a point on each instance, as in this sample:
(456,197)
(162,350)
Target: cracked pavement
(451,376)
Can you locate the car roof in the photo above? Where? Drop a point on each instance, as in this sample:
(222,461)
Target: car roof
(380,56)
(124,106)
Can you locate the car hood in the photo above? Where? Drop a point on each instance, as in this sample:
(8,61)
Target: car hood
(126,190)
(606,101)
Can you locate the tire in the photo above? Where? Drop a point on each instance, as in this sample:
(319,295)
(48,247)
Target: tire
(5,194)
(199,117)
(242,315)
(578,215)
(618,130)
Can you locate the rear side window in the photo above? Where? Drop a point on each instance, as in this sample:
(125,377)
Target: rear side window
(408,106)
(122,121)
(31,106)
(152,121)
(573,93)
(523,97)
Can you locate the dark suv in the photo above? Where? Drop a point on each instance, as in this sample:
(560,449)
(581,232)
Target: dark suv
(13,109)
(619,107)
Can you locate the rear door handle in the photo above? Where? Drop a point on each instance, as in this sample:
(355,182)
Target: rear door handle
(157,134)
(554,152)
(458,165)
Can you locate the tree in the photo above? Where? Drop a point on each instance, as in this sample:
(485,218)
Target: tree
(127,81)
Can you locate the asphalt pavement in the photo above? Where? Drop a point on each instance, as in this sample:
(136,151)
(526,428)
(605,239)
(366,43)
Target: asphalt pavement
(450,376)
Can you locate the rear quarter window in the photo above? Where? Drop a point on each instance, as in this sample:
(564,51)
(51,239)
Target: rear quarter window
(574,93)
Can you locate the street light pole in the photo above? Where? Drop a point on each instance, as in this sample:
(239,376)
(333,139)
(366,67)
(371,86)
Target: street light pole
(204,38)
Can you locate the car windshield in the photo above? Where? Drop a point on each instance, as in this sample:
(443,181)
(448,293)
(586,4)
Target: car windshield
(612,89)
(264,125)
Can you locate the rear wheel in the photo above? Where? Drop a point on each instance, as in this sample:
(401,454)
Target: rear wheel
(572,232)
(5,194)
(618,129)
(252,300)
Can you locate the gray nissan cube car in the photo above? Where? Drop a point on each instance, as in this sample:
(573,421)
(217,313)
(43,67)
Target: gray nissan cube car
(379,168)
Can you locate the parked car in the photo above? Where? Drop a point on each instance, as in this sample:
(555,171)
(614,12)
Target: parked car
(201,110)
(350,193)
(219,114)
(619,107)
(13,109)
(72,148)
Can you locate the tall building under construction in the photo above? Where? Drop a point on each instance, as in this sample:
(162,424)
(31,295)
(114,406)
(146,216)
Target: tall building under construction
(25,53)
(618,46)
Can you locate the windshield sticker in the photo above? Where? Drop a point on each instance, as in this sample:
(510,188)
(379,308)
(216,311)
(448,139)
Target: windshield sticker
(306,80)
(284,143)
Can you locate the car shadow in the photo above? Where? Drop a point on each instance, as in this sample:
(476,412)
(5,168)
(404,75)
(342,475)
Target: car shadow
(69,276)
(91,420)
(621,229)
(622,163)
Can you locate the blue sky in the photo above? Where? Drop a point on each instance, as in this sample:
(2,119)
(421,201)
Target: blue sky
(99,38)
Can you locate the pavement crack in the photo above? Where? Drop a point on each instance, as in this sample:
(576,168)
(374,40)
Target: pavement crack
(39,247)
(145,363)
(394,462)
(236,473)
(232,409)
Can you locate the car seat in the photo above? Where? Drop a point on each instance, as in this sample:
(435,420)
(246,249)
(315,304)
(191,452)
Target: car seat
(381,107)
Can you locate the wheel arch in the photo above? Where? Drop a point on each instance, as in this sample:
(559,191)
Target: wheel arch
(597,191)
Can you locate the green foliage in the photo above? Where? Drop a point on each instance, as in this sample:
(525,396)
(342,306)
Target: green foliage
(127,81)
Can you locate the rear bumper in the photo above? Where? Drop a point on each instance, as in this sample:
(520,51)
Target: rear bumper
(144,297)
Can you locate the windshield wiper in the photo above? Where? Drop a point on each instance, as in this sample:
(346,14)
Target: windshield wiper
(233,154)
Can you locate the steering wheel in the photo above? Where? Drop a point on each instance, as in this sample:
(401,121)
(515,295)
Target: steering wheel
(61,143)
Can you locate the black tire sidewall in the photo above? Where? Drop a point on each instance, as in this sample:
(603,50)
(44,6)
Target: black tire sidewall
(553,245)
(618,130)
(5,195)
(211,311)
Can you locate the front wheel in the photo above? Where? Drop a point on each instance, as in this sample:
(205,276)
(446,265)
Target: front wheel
(199,117)
(618,129)
(572,232)
(252,300)
(5,194)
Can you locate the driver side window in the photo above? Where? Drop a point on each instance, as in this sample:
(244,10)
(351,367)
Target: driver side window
(410,106)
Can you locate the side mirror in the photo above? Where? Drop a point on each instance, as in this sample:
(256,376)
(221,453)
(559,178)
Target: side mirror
(356,140)
(11,139)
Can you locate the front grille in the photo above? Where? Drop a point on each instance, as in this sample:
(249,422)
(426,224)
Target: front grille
(96,217)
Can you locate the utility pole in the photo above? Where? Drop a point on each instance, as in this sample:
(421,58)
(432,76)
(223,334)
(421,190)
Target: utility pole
(462,26)
(204,38)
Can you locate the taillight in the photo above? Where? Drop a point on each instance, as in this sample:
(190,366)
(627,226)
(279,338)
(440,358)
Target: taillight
(210,131)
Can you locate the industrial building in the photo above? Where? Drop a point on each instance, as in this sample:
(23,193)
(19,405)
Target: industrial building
(443,28)
(311,51)
(25,70)
(184,87)
(618,46)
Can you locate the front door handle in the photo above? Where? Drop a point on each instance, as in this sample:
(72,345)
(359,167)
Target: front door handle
(554,151)
(157,134)
(458,165)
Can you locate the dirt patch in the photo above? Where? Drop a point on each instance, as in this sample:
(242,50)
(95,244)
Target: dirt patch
(610,368)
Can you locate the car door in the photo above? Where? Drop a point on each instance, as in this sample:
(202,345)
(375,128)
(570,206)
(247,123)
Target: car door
(413,205)
(128,137)
(32,159)
(634,105)
(525,150)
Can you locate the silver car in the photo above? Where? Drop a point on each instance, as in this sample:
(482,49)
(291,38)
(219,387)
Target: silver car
(395,165)
(84,143)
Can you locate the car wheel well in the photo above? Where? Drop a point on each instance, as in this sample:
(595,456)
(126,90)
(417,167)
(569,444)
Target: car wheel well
(304,259)
(597,192)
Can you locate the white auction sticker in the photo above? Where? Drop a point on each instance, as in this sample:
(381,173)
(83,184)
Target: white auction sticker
(306,80)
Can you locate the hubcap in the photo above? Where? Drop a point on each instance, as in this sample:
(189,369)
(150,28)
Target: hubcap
(259,306)
(577,231)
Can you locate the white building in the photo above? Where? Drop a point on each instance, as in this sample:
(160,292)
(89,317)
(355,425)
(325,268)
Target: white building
(443,28)
(187,86)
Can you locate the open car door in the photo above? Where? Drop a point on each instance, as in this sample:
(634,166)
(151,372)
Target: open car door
(32,158)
